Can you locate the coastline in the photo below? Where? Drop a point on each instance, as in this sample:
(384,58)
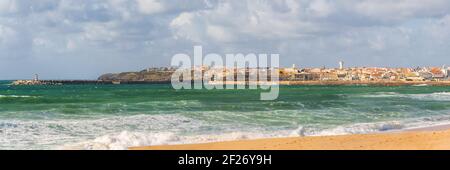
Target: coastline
(369,83)
(344,83)
(281,82)
(427,138)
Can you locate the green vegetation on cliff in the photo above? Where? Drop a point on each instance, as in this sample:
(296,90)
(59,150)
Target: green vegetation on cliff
(154,74)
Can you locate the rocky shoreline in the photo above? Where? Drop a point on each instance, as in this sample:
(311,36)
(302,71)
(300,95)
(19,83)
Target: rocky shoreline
(163,76)
(28,82)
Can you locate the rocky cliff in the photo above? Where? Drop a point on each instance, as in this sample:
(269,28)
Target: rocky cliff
(156,75)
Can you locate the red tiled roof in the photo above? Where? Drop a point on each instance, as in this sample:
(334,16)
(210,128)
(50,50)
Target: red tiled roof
(436,70)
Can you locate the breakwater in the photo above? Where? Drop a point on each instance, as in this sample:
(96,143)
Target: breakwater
(80,82)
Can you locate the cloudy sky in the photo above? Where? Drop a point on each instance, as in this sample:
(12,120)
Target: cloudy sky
(81,39)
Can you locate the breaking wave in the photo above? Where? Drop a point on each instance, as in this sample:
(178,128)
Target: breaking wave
(364,128)
(126,139)
(16,96)
(46,134)
(439,96)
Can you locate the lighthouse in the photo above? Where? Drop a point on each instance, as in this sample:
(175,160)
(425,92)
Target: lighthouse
(445,71)
(36,77)
(341,65)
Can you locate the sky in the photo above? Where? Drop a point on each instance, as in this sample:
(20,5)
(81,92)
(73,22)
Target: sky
(82,39)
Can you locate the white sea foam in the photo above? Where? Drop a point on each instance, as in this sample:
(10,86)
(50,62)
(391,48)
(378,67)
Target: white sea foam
(377,127)
(438,96)
(360,128)
(16,96)
(381,94)
(126,139)
(121,132)
(420,85)
(46,134)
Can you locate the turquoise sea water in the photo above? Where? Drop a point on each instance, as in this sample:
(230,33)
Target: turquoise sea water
(118,116)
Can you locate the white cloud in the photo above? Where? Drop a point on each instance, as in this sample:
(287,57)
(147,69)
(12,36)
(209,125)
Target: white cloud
(377,43)
(40,42)
(184,27)
(7,34)
(150,6)
(320,8)
(100,32)
(218,33)
(400,9)
(313,32)
(8,6)
(232,19)
(71,44)
(13,43)
(182,20)
(440,29)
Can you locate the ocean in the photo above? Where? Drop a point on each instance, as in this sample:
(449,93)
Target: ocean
(119,116)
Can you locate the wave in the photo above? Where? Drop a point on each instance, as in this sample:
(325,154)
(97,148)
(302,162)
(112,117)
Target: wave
(420,85)
(381,94)
(377,127)
(16,96)
(46,134)
(126,139)
(441,96)
(360,128)
(437,96)
(121,132)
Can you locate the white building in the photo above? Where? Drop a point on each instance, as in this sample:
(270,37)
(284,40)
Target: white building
(36,77)
(446,71)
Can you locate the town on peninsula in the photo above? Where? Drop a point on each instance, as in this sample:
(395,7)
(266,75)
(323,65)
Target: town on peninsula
(287,76)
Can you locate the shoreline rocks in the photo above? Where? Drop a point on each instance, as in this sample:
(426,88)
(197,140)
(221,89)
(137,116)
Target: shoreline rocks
(28,82)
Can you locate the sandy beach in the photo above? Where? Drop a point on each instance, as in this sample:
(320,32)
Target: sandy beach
(432,138)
